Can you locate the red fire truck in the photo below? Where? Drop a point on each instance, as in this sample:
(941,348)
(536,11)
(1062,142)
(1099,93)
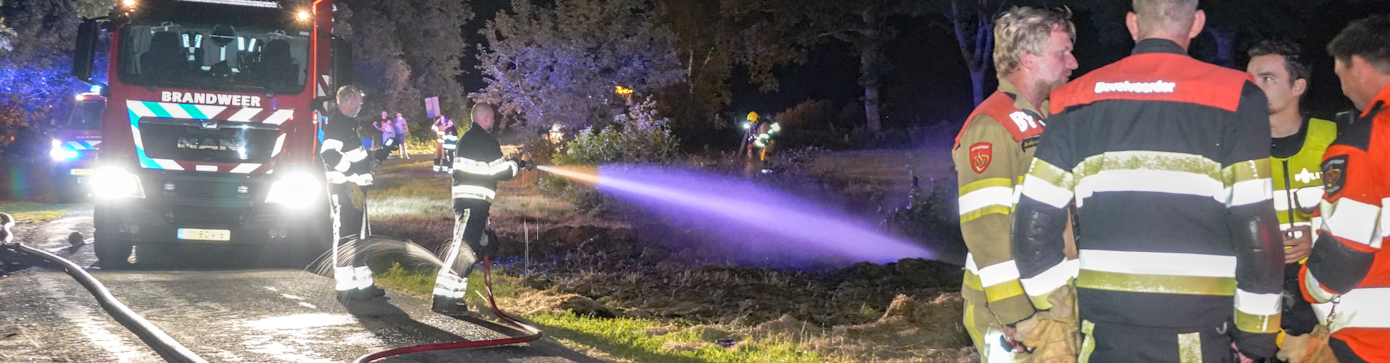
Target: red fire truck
(210,130)
(76,140)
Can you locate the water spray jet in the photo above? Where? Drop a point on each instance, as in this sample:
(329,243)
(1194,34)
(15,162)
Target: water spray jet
(774,223)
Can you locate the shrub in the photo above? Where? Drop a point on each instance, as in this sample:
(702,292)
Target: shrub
(632,138)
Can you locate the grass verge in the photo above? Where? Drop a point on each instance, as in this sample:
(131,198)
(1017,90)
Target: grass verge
(30,212)
(636,340)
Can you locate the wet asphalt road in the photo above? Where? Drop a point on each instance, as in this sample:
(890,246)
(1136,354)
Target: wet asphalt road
(223,315)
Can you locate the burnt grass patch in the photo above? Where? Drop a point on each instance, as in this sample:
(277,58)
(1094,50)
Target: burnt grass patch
(649,269)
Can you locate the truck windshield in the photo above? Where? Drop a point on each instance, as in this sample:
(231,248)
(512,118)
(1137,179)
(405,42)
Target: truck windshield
(86,115)
(214,57)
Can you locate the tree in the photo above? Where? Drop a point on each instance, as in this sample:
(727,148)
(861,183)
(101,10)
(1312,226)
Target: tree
(379,64)
(1229,22)
(704,45)
(34,71)
(561,63)
(90,9)
(973,25)
(429,29)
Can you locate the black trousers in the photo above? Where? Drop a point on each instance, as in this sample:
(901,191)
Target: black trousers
(1104,343)
(349,266)
(464,251)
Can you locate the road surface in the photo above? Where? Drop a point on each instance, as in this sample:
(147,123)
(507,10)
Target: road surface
(223,315)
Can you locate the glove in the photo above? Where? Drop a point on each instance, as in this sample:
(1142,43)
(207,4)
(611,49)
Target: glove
(1050,337)
(523,164)
(1308,348)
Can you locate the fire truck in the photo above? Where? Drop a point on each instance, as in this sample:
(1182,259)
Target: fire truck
(76,140)
(210,130)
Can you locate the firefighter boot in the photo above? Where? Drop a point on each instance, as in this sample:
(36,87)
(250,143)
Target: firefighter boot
(449,306)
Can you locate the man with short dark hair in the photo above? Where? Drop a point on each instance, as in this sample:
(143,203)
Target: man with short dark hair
(1167,160)
(1348,266)
(1295,158)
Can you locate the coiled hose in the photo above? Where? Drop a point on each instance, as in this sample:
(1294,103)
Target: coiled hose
(532,332)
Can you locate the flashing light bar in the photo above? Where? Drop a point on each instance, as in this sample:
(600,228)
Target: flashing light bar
(252,3)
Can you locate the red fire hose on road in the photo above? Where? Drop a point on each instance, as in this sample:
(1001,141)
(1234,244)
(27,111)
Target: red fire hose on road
(532,332)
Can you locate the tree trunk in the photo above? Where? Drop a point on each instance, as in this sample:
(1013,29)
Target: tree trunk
(871,69)
(978,51)
(977,86)
(871,116)
(1225,43)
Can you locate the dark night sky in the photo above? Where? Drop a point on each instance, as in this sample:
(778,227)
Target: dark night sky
(928,80)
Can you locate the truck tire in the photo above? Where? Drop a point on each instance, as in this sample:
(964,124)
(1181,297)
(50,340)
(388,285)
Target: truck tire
(112,253)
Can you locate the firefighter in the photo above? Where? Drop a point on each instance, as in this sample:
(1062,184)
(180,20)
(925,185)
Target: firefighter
(1167,160)
(1348,266)
(441,126)
(758,138)
(478,166)
(451,141)
(349,174)
(1295,158)
(991,155)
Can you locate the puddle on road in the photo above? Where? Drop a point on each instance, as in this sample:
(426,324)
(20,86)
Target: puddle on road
(301,321)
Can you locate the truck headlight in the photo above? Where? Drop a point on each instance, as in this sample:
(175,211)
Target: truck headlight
(297,189)
(112,182)
(60,153)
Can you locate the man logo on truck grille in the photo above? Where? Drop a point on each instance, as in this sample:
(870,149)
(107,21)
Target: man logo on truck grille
(207,144)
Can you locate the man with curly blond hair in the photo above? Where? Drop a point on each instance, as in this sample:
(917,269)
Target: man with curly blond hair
(1033,56)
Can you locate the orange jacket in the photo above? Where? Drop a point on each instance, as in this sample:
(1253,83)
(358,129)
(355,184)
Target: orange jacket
(1348,263)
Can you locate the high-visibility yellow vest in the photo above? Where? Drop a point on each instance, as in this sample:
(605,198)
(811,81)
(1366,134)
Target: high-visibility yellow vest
(1301,171)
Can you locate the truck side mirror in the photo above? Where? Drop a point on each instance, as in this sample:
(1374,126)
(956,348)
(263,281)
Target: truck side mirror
(85,53)
(342,64)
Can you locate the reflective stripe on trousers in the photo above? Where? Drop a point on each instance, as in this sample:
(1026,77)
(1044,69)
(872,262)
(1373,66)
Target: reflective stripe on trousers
(448,283)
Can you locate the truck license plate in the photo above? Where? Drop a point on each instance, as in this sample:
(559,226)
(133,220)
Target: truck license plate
(81,172)
(194,234)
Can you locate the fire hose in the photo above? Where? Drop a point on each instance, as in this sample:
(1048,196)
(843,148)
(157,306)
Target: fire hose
(532,332)
(161,343)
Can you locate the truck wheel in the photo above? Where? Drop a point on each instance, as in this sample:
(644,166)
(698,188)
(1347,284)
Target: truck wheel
(112,254)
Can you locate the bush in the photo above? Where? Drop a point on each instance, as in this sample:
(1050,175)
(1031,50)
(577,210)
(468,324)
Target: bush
(637,137)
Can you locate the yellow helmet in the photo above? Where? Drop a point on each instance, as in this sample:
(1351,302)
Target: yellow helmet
(753,116)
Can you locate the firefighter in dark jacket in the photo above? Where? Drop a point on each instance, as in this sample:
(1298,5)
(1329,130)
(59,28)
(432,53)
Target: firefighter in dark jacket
(1167,159)
(478,166)
(348,173)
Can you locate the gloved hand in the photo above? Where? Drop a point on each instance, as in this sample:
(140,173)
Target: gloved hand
(524,164)
(1307,348)
(1053,333)
(1050,337)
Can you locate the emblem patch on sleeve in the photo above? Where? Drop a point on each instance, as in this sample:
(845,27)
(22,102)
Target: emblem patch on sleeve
(1334,174)
(980,155)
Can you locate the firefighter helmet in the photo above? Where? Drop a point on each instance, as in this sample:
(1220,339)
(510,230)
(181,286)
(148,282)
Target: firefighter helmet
(752,117)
